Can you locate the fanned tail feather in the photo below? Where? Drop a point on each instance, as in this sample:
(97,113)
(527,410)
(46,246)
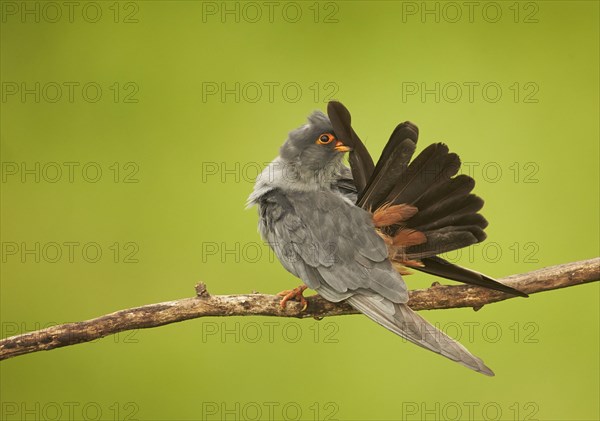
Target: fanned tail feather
(448,213)
(392,163)
(440,267)
(361,162)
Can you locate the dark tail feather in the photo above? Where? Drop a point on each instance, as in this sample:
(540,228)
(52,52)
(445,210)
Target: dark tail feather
(392,163)
(361,162)
(459,186)
(435,181)
(443,199)
(386,175)
(405,130)
(444,240)
(421,174)
(463,212)
(440,267)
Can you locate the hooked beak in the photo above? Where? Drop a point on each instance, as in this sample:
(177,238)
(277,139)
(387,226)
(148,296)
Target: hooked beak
(340,147)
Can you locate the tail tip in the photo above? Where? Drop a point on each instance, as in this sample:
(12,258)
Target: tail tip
(486,371)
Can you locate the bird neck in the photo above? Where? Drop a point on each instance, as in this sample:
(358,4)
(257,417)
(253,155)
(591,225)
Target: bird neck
(292,176)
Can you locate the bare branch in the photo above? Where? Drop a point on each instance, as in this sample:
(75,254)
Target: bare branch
(204,305)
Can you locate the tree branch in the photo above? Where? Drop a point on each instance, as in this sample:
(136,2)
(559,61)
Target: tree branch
(204,304)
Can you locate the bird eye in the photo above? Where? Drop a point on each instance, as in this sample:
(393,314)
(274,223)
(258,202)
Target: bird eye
(325,138)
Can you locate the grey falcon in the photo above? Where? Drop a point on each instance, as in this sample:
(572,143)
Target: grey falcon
(319,234)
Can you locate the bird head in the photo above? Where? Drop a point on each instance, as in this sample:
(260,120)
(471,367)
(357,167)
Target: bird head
(314,146)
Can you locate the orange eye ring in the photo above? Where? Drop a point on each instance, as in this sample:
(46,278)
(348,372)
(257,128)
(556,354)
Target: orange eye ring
(325,139)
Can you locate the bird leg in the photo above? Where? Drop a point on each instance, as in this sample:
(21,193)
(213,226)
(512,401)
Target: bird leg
(295,294)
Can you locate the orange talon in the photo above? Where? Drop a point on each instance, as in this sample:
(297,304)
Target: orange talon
(295,294)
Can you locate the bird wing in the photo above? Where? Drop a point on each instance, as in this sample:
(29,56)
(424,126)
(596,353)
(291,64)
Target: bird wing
(345,185)
(330,244)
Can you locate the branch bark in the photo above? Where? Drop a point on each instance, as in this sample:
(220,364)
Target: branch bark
(205,305)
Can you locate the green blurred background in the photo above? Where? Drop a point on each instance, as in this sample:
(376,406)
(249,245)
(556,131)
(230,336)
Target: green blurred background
(179,104)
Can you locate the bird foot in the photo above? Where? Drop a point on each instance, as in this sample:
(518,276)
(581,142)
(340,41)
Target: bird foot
(295,294)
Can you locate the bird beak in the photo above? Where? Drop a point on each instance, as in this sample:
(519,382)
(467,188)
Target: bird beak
(340,147)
